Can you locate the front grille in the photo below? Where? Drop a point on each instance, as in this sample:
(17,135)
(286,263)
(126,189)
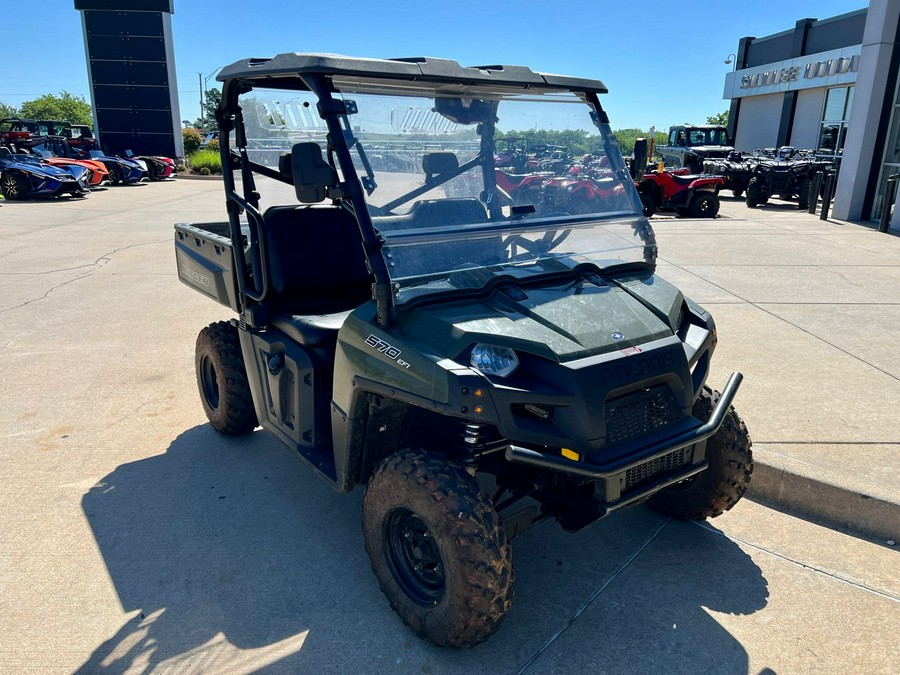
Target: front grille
(664,464)
(639,414)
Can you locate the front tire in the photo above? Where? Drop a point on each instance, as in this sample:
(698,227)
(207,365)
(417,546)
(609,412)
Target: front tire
(754,193)
(222,380)
(115,175)
(722,484)
(648,205)
(14,186)
(438,549)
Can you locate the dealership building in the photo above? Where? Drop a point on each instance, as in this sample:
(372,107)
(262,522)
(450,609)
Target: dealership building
(830,85)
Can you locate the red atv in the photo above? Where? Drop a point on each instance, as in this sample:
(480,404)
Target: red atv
(688,194)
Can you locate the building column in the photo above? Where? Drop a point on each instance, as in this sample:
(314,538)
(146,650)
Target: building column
(862,150)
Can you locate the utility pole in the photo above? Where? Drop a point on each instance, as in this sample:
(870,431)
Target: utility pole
(200,80)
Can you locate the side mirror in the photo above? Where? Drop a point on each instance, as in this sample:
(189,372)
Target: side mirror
(471,111)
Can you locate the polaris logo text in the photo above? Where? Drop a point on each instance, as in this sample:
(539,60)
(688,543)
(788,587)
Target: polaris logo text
(195,276)
(634,368)
(388,350)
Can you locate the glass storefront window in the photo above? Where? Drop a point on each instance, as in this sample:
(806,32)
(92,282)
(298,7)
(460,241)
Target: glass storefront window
(891,163)
(833,129)
(828,138)
(835,104)
(892,151)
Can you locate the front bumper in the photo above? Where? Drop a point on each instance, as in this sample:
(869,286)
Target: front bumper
(639,474)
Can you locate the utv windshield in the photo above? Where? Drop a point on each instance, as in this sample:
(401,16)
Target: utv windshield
(466,189)
(709,137)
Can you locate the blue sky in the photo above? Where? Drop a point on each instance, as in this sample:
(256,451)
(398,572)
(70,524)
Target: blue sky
(661,60)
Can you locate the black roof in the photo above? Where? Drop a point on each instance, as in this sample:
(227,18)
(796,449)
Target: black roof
(284,69)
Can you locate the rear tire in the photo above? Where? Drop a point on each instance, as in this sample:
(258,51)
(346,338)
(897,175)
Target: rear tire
(754,193)
(14,186)
(438,549)
(222,380)
(722,484)
(705,205)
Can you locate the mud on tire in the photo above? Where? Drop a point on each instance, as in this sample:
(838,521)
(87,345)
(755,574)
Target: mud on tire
(722,484)
(222,380)
(438,549)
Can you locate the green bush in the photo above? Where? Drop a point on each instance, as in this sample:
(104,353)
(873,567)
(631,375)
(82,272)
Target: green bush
(204,171)
(213,145)
(206,159)
(192,139)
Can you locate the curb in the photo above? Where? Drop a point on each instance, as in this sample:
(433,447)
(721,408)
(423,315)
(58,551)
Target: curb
(190,176)
(823,501)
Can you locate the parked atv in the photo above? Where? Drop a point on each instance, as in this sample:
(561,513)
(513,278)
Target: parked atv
(786,174)
(480,366)
(736,170)
(678,190)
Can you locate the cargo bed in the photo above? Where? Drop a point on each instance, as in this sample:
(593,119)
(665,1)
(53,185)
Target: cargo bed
(205,262)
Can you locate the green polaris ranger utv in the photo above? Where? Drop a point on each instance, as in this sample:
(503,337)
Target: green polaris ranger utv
(481,350)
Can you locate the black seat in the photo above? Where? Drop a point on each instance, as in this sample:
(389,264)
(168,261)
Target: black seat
(316,269)
(686,179)
(315,330)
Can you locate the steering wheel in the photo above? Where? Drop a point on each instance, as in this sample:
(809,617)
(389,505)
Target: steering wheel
(550,240)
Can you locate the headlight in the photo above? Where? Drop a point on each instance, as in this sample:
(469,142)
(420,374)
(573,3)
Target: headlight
(490,360)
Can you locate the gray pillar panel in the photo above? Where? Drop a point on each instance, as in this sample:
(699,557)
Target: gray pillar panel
(131,66)
(130,73)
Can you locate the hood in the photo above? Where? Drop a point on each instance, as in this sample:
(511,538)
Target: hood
(712,150)
(561,322)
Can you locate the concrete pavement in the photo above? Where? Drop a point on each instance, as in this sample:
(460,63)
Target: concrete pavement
(135,539)
(809,310)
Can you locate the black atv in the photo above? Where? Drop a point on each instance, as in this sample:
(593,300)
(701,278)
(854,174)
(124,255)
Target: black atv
(478,364)
(737,169)
(786,173)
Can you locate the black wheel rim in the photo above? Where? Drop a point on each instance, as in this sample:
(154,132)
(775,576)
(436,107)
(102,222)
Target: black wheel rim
(413,557)
(208,382)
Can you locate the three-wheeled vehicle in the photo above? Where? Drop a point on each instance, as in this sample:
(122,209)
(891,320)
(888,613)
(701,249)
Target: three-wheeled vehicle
(478,365)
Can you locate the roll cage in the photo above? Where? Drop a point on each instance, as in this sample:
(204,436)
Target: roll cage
(452,86)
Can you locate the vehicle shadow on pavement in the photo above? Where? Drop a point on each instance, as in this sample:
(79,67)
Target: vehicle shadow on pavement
(234,558)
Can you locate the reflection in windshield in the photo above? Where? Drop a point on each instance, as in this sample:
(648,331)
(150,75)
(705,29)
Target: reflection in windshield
(464,189)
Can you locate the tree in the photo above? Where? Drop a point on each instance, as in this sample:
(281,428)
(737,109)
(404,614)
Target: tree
(192,139)
(66,107)
(212,97)
(8,110)
(721,118)
(627,137)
